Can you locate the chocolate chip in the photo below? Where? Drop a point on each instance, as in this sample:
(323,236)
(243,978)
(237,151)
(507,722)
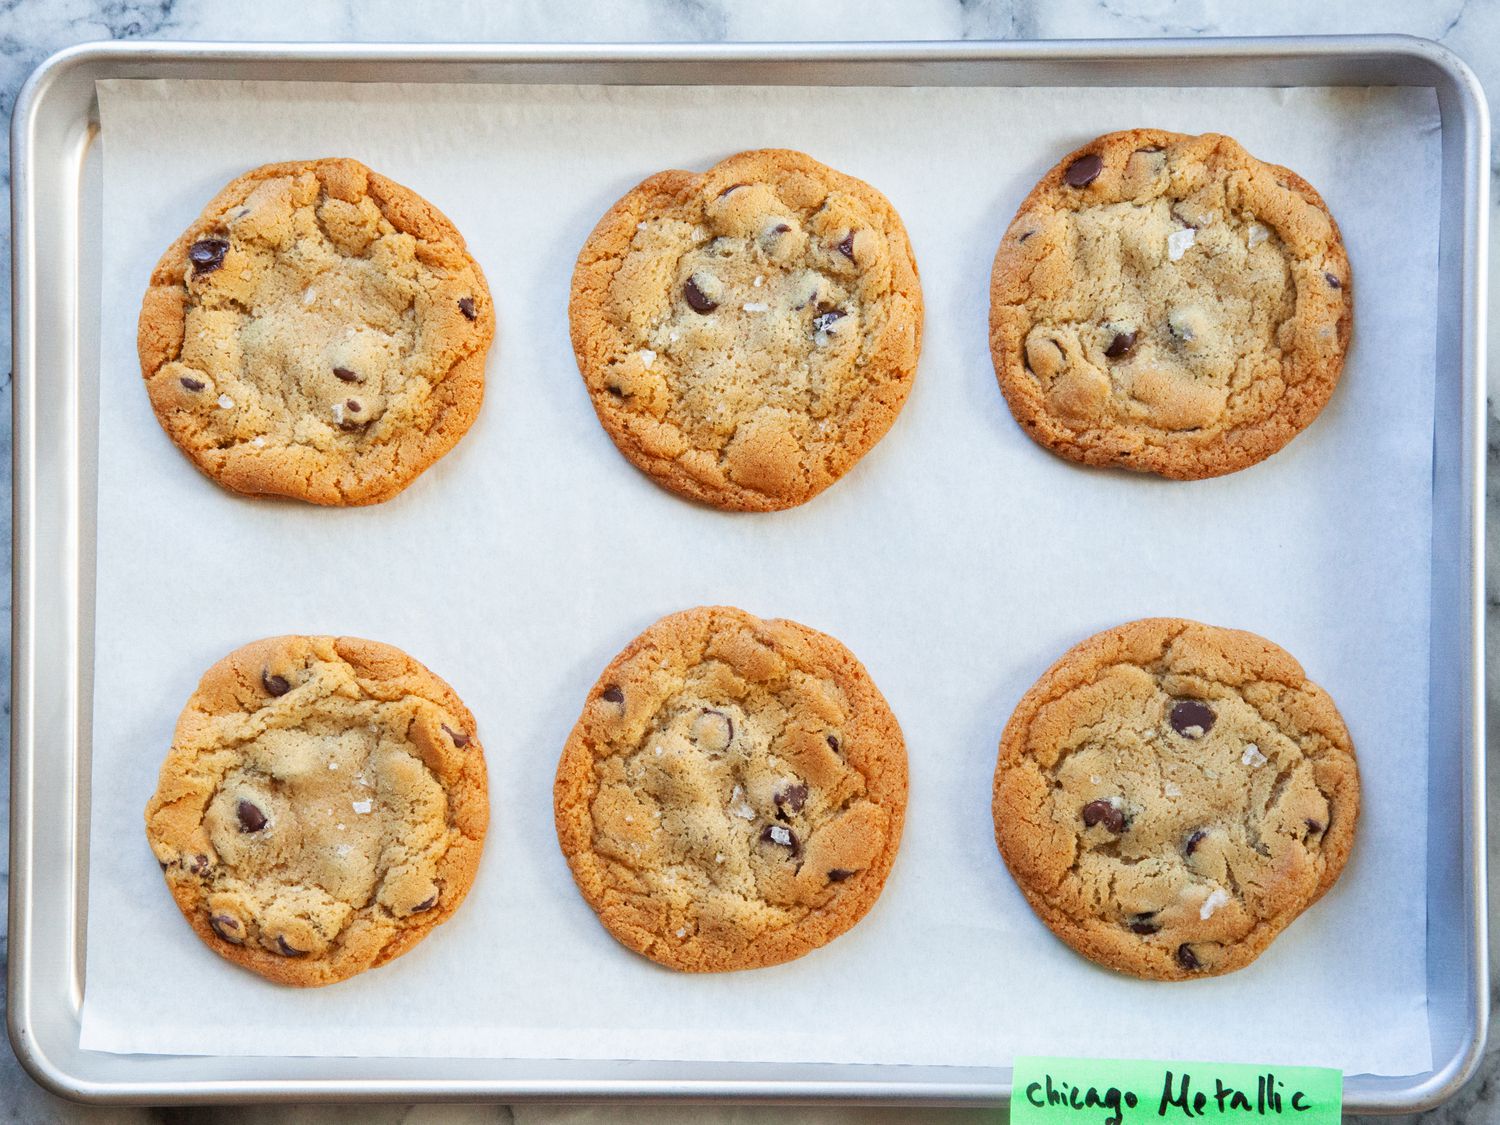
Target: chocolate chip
(287,950)
(791,799)
(197,864)
(207,255)
(833,744)
(352,405)
(228,928)
(427,904)
(1186,958)
(730,188)
(459,738)
(1193,841)
(846,247)
(346,375)
(613,694)
(824,319)
(466,306)
(1142,923)
(1313,825)
(781,228)
(251,818)
(1025,235)
(697,300)
(713,729)
(192,384)
(839,874)
(1192,718)
(1083,171)
(616,391)
(1105,813)
(1122,345)
(162,864)
(782,837)
(276,685)
(1333,281)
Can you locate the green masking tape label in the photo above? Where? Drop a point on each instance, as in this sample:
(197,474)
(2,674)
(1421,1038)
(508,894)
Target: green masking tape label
(1122,1091)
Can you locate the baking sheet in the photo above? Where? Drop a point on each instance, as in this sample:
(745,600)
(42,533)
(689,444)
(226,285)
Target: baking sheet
(957,560)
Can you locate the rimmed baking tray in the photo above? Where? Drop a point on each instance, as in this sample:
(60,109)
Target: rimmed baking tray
(56,205)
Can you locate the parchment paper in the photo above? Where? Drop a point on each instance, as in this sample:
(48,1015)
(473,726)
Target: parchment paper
(957,561)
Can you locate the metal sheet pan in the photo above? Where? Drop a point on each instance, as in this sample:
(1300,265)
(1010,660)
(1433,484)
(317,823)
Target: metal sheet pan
(56,199)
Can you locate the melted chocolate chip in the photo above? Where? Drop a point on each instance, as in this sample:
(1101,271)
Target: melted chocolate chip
(1187,958)
(1333,281)
(287,950)
(782,837)
(839,874)
(790,800)
(1313,825)
(1025,235)
(228,928)
(162,864)
(612,694)
(697,300)
(427,904)
(1083,171)
(346,375)
(276,685)
(192,384)
(207,255)
(1192,718)
(1191,845)
(833,744)
(846,247)
(730,188)
(824,319)
(466,306)
(1142,923)
(616,391)
(1105,813)
(459,738)
(1122,345)
(251,818)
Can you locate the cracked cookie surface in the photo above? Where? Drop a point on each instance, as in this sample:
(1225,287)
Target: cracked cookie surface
(1169,304)
(733,793)
(322,808)
(319,332)
(1170,796)
(747,334)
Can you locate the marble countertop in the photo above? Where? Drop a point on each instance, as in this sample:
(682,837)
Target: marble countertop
(32,29)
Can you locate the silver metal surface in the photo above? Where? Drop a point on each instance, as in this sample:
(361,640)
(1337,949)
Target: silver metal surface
(55,204)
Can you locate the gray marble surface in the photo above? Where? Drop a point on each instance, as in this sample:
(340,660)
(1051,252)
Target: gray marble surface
(32,29)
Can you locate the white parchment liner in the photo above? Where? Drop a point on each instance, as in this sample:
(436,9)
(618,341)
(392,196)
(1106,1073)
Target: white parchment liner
(957,561)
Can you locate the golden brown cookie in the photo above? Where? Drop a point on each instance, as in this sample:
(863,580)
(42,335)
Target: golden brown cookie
(322,808)
(733,793)
(319,332)
(1170,796)
(1169,304)
(748,334)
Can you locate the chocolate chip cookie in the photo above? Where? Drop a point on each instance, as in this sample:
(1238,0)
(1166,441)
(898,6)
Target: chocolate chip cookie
(1170,796)
(1169,304)
(319,332)
(748,334)
(322,808)
(733,793)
